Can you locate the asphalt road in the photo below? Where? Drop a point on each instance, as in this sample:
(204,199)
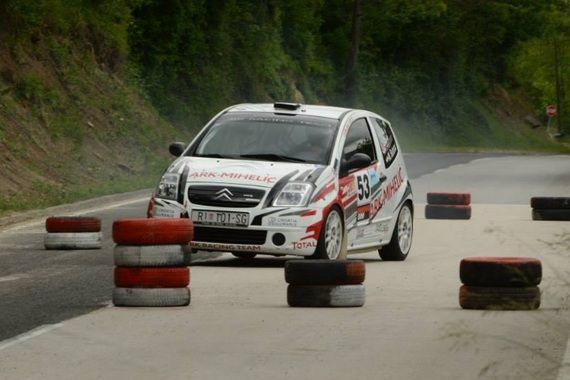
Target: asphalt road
(239,326)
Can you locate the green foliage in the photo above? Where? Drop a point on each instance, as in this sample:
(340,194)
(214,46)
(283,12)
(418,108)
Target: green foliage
(423,59)
(425,62)
(32,89)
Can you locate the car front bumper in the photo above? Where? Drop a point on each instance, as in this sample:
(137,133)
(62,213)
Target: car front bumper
(272,230)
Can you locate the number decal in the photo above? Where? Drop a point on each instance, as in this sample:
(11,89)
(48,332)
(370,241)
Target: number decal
(366,186)
(363,186)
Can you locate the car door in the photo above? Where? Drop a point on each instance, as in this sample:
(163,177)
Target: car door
(360,186)
(384,205)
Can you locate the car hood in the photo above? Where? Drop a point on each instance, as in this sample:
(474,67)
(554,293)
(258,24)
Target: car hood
(243,172)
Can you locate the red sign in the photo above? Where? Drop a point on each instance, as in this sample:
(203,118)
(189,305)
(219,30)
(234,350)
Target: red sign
(551,110)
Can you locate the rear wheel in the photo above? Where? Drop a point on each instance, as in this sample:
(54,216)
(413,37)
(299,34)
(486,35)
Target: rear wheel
(332,240)
(401,242)
(244,255)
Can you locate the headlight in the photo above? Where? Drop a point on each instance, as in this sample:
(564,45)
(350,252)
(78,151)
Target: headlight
(168,187)
(294,194)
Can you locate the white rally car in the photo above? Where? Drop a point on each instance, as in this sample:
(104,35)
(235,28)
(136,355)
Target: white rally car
(291,179)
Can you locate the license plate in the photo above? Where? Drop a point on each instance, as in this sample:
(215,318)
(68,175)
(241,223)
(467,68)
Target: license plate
(221,218)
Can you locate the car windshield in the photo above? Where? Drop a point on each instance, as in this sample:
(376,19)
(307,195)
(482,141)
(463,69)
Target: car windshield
(269,137)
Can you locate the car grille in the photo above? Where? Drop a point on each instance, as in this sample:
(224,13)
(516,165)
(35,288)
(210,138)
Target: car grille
(225,196)
(229,235)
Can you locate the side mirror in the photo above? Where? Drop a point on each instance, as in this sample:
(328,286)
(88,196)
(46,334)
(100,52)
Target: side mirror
(176,148)
(357,161)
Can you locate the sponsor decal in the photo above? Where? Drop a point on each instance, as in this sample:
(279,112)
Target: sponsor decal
(390,150)
(282,222)
(365,231)
(373,176)
(388,192)
(226,247)
(304,244)
(382,227)
(347,187)
(363,212)
(229,175)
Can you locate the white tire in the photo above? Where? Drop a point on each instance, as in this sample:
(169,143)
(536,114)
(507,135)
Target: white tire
(325,295)
(152,255)
(153,297)
(72,240)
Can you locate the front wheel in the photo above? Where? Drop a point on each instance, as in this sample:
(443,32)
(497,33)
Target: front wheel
(401,242)
(332,240)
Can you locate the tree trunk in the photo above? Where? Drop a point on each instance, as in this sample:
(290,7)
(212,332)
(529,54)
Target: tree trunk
(351,75)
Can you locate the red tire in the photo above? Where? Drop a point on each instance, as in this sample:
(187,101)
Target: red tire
(153,231)
(170,277)
(500,271)
(73,224)
(462,199)
(447,212)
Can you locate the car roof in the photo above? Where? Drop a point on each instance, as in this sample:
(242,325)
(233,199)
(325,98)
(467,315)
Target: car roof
(303,109)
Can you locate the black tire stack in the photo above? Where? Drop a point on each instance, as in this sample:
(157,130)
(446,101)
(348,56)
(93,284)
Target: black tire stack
(152,258)
(448,206)
(320,283)
(72,232)
(500,283)
(550,208)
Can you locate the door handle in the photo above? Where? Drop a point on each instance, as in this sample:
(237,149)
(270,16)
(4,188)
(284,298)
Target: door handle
(382,178)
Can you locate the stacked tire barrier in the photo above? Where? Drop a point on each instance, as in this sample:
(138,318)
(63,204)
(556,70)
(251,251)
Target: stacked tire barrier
(151,258)
(72,232)
(550,208)
(500,283)
(448,206)
(320,283)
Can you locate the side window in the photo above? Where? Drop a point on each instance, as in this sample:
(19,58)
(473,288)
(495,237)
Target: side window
(359,140)
(387,141)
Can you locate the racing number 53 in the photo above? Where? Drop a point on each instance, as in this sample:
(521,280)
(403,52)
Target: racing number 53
(363,186)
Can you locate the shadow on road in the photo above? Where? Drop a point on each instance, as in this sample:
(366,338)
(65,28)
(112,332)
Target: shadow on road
(213,259)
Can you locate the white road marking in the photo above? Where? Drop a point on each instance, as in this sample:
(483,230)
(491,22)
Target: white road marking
(28,335)
(12,277)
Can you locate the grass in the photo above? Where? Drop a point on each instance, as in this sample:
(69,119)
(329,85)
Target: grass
(488,134)
(52,195)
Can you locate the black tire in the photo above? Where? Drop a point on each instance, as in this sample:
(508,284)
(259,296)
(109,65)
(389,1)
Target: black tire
(551,214)
(393,251)
(72,240)
(500,271)
(492,298)
(449,199)
(447,212)
(320,272)
(321,250)
(550,203)
(157,297)
(325,295)
(152,255)
(244,255)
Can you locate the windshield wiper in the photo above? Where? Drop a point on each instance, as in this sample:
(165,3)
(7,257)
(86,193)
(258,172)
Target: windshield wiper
(211,155)
(272,157)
